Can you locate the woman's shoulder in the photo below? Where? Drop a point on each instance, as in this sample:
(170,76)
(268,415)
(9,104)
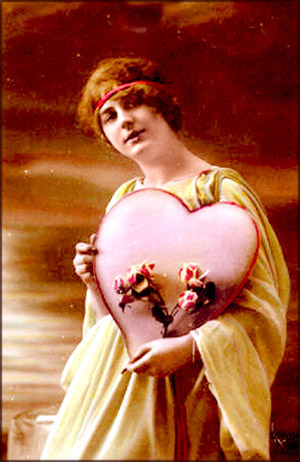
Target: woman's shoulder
(228,179)
(125,188)
(219,173)
(211,182)
(226,184)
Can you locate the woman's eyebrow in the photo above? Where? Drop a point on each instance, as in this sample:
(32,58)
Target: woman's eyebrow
(106,111)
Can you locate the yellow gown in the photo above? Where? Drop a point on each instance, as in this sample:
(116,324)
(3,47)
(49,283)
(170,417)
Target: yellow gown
(226,398)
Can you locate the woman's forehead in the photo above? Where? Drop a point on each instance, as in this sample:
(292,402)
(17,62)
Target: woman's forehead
(109,105)
(115,104)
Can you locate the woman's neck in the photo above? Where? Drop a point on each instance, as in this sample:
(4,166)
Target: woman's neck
(170,165)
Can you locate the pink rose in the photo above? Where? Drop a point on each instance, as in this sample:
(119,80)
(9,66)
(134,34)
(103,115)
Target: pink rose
(132,277)
(135,276)
(136,273)
(187,300)
(120,284)
(147,269)
(189,271)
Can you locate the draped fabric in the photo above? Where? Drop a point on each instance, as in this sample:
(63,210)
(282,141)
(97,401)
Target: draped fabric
(225,396)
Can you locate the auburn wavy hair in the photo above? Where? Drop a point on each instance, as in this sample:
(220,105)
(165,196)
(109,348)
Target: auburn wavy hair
(112,72)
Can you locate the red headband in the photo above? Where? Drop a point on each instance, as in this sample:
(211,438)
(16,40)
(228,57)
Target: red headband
(122,87)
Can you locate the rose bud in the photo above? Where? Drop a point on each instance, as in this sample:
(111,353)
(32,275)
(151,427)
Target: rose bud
(147,269)
(134,276)
(187,300)
(189,271)
(141,286)
(120,284)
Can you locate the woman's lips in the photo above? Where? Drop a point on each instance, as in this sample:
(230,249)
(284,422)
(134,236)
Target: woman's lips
(134,136)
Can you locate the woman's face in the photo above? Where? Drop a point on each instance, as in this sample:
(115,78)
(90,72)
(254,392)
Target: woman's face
(132,131)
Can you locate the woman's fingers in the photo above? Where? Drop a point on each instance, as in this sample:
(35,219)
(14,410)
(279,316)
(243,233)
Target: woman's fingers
(83,268)
(140,365)
(132,365)
(93,238)
(84,259)
(141,352)
(83,247)
(162,356)
(142,361)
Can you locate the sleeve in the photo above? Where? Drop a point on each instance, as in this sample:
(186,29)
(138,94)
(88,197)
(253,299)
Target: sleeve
(241,350)
(124,189)
(89,315)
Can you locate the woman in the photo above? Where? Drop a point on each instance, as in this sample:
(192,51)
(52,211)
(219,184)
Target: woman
(220,407)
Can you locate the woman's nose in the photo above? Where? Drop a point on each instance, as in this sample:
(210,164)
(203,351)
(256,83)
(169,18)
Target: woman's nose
(128,124)
(127,120)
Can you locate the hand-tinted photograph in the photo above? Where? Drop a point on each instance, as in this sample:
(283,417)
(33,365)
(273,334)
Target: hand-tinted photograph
(149,230)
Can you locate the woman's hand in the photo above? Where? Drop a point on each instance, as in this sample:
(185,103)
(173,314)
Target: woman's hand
(84,268)
(163,356)
(84,260)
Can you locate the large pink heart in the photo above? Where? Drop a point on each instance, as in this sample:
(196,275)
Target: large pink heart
(156,226)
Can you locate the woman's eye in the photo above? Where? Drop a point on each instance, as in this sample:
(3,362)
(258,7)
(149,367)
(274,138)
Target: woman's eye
(109,117)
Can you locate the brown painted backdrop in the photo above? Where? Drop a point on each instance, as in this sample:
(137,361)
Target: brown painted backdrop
(235,69)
